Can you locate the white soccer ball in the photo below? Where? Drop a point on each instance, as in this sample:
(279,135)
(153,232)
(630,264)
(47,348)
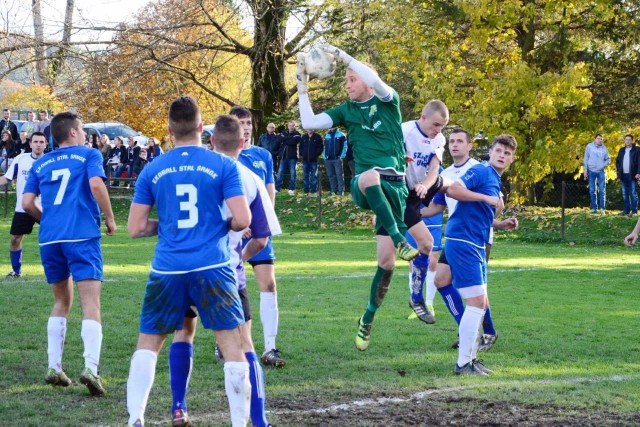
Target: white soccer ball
(319,64)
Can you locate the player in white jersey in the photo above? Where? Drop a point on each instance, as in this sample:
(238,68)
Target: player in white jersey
(424,144)
(264,224)
(460,146)
(22,222)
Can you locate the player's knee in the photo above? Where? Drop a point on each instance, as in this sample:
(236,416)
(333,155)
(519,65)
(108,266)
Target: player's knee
(441,279)
(15,242)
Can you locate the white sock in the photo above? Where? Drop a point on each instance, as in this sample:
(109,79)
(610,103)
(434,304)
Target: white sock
(468,331)
(56,331)
(431,286)
(269,318)
(141,375)
(238,388)
(91,334)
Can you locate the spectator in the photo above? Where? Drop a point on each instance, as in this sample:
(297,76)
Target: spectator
(335,149)
(7,125)
(289,147)
(350,161)
(44,126)
(270,141)
(153,149)
(8,147)
(133,157)
(628,172)
(596,158)
(119,158)
(105,149)
(29,126)
(22,146)
(310,148)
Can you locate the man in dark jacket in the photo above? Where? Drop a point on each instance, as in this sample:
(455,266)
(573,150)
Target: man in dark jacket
(289,147)
(7,125)
(335,149)
(270,141)
(628,173)
(310,148)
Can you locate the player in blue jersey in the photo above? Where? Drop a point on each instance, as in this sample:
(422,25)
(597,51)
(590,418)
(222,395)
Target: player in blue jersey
(22,222)
(467,231)
(189,187)
(70,182)
(259,161)
(264,223)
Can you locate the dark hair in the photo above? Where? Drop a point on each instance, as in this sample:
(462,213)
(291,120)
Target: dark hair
(629,135)
(460,130)
(598,135)
(5,109)
(43,111)
(506,140)
(39,134)
(227,133)
(184,117)
(240,112)
(61,124)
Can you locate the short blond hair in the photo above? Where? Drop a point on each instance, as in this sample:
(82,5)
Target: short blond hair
(436,106)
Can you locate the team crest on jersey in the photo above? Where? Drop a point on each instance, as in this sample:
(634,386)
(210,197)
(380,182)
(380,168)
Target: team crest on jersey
(259,164)
(373,110)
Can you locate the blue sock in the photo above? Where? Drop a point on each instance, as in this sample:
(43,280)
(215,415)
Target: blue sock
(180,362)
(256,376)
(16,260)
(453,301)
(417,277)
(487,322)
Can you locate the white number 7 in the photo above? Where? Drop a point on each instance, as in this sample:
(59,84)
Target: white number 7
(65,174)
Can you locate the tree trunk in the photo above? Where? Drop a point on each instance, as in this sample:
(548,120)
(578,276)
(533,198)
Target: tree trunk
(269,95)
(42,75)
(57,62)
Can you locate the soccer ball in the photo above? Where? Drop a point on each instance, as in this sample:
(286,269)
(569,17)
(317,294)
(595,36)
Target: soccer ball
(319,64)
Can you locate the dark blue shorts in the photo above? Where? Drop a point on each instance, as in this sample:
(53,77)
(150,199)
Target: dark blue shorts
(168,297)
(82,260)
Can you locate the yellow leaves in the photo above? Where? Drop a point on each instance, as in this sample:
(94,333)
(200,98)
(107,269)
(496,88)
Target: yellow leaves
(34,97)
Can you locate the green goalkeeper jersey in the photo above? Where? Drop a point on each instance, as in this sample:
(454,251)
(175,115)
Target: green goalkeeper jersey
(374,130)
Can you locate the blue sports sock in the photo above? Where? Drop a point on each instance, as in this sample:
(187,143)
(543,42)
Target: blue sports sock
(487,322)
(256,376)
(180,362)
(418,277)
(16,260)
(453,301)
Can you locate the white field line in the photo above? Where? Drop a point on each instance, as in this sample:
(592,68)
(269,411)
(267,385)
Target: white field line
(223,415)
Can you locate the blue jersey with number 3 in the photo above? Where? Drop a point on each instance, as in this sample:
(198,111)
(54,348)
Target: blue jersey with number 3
(188,185)
(69,210)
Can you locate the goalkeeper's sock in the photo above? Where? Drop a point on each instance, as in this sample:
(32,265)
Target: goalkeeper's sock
(379,288)
(180,365)
(380,206)
(453,301)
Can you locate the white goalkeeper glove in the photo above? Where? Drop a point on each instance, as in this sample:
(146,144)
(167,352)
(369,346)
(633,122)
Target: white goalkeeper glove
(338,53)
(302,77)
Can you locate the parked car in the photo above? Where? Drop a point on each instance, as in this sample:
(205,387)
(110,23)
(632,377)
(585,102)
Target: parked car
(113,129)
(207,130)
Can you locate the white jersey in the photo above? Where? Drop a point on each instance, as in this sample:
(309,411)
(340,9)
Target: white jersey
(19,171)
(420,150)
(454,173)
(264,222)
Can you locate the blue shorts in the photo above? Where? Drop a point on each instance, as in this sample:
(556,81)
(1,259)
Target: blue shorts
(82,260)
(436,233)
(168,297)
(267,254)
(467,262)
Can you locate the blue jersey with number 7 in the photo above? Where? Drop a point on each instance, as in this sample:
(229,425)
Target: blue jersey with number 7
(69,210)
(188,185)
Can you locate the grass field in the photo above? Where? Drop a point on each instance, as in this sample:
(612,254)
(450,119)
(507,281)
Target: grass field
(567,316)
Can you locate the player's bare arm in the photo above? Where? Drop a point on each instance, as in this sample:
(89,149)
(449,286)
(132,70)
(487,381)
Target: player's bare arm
(100,193)
(632,238)
(432,210)
(139,223)
(253,247)
(240,213)
(506,224)
(458,191)
(423,187)
(30,206)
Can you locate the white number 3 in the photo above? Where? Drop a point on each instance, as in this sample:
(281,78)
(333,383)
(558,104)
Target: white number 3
(189,205)
(63,174)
